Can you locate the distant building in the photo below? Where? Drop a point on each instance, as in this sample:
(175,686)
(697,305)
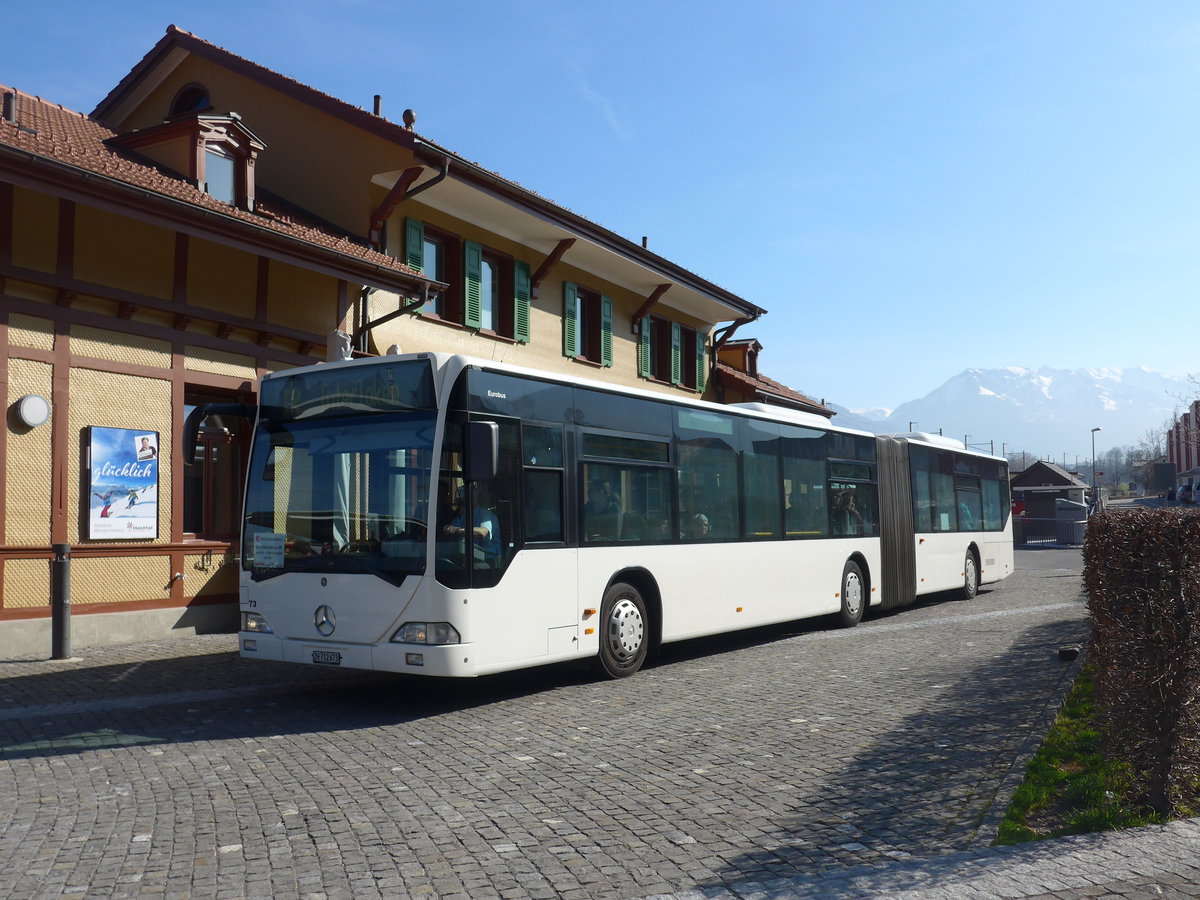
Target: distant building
(1183,447)
(1040,485)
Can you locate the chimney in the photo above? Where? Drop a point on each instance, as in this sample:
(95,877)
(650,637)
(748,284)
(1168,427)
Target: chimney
(378,103)
(10,107)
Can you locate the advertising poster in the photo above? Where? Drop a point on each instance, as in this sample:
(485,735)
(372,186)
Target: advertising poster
(123,485)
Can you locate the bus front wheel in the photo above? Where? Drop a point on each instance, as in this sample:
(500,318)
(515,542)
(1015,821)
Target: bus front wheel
(854,595)
(625,637)
(970,577)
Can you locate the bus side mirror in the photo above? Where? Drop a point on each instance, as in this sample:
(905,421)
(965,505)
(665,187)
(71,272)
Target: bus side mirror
(191,425)
(481,456)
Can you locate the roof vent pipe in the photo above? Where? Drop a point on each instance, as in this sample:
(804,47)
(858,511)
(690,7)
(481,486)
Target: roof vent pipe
(645,242)
(10,107)
(378,104)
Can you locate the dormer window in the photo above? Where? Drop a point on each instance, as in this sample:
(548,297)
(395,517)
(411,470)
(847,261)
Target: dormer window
(220,173)
(216,153)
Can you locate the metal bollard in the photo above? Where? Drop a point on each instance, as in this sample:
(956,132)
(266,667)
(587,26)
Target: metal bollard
(60,603)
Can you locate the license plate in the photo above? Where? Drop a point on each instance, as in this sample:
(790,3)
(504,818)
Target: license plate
(327,657)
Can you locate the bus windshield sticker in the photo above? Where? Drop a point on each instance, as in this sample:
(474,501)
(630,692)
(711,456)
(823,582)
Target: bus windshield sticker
(268,551)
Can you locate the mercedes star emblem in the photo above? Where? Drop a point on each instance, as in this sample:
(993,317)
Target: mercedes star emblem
(325,621)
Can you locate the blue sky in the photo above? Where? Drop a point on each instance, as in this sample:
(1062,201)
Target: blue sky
(911,189)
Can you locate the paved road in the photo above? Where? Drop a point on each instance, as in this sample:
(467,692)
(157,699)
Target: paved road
(790,761)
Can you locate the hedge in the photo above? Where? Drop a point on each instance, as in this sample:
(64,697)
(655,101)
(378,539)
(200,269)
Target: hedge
(1142,576)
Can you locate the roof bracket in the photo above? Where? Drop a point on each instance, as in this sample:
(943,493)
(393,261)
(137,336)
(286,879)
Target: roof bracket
(384,211)
(547,264)
(648,305)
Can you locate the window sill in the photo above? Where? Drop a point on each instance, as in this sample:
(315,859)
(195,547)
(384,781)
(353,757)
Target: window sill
(497,336)
(435,319)
(584,361)
(680,386)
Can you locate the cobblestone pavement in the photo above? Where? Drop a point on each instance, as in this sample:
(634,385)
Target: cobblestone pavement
(789,761)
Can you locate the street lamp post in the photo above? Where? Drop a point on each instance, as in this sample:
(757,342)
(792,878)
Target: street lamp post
(1095,494)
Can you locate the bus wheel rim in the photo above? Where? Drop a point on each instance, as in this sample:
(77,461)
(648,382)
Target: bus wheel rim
(853,593)
(626,629)
(972,578)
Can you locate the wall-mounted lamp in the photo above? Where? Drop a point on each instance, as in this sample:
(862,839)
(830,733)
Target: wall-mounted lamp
(32,410)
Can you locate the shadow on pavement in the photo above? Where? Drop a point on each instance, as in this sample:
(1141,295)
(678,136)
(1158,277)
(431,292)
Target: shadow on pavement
(926,787)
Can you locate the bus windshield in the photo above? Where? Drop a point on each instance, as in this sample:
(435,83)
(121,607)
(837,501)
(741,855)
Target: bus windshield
(339,493)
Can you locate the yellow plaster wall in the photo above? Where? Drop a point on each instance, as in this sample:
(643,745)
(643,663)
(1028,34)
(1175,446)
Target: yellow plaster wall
(217,362)
(27,465)
(35,242)
(123,253)
(113,345)
(26,583)
(221,278)
(300,299)
(30,331)
(205,578)
(120,579)
(345,156)
(119,401)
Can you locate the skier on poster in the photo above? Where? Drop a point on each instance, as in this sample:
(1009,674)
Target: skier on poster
(133,497)
(106,499)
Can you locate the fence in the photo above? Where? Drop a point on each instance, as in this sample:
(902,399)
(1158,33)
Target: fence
(1031,532)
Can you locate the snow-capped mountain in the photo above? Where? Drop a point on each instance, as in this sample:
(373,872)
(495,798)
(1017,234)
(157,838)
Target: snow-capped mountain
(1045,411)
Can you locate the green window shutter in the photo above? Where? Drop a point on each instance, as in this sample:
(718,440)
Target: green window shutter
(644,348)
(570,320)
(414,244)
(701,361)
(676,353)
(473,284)
(521,292)
(606,328)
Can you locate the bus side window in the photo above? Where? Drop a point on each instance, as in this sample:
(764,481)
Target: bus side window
(542,461)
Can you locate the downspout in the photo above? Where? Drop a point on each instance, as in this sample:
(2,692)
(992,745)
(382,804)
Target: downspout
(720,338)
(398,194)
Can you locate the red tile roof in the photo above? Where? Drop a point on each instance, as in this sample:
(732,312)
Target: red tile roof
(54,133)
(379,125)
(766,390)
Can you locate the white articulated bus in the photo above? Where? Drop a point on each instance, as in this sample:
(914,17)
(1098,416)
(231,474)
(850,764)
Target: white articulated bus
(440,515)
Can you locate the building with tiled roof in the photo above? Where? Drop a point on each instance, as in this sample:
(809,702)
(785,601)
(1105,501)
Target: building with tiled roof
(737,379)
(212,220)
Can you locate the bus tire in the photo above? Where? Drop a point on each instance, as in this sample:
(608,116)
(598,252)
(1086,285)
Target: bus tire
(970,577)
(625,631)
(853,594)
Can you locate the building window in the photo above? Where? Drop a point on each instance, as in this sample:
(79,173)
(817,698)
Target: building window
(486,290)
(212,505)
(190,99)
(220,175)
(671,353)
(587,325)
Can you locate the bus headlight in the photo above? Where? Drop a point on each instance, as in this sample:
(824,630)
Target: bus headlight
(426,633)
(256,623)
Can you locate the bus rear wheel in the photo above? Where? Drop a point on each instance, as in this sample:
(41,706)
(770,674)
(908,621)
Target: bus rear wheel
(854,595)
(625,637)
(970,577)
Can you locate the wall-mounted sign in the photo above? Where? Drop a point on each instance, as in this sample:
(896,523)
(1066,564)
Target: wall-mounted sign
(123,484)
